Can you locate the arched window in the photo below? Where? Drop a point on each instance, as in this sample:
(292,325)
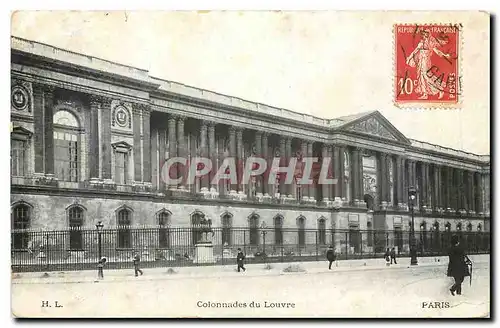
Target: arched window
(253,223)
(66,146)
(226,228)
(278,230)
(322,231)
(163,219)
(347,175)
(75,220)
(301,224)
(124,219)
(196,229)
(21,220)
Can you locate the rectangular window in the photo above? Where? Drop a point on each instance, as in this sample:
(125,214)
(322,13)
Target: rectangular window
(120,168)
(66,156)
(17,158)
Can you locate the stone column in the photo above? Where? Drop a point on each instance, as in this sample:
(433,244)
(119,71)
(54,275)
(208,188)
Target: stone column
(94,151)
(472,192)
(456,189)
(146,143)
(212,153)
(136,127)
(399,182)
(384,174)
(324,186)
(162,144)
(436,201)
(181,151)
(240,160)
(331,188)
(39,128)
(258,150)
(404,183)
(425,185)
(312,186)
(355,175)
(449,188)
(341,161)
(48,104)
(337,174)
(265,155)
(106,138)
(289,187)
(204,154)
(360,180)
(154,160)
(282,163)
(479,193)
(172,149)
(304,153)
(232,153)
(463,191)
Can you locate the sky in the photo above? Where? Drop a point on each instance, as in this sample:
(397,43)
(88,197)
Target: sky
(327,64)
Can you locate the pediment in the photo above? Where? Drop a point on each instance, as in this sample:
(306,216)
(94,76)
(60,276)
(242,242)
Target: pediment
(121,146)
(20,133)
(375,124)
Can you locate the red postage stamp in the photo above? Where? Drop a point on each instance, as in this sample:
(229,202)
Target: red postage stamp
(427,60)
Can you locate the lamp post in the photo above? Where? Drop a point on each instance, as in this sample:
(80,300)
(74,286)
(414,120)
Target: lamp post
(412,196)
(99,226)
(263,232)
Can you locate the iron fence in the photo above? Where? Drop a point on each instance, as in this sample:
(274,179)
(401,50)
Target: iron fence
(80,249)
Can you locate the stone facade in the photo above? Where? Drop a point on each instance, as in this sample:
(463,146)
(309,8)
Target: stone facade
(120,125)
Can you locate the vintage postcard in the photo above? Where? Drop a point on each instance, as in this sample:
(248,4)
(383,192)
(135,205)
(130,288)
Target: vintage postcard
(250,164)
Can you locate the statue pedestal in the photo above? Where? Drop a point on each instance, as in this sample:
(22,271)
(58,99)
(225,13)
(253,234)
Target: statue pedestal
(204,253)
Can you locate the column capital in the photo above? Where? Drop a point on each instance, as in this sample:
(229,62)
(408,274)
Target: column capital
(179,118)
(37,86)
(258,134)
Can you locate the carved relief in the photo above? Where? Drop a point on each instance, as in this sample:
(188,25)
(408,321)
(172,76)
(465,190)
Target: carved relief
(21,96)
(121,117)
(372,126)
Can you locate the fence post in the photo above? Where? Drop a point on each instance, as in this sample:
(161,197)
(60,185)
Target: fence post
(316,245)
(346,246)
(245,241)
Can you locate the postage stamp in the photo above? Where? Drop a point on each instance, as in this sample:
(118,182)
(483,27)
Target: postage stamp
(427,65)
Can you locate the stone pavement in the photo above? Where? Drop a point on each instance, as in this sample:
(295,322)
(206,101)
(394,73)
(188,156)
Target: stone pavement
(273,269)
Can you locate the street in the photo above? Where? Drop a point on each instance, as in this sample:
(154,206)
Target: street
(406,292)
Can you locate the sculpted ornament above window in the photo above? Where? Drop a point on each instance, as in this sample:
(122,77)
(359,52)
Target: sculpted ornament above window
(372,126)
(20,98)
(121,117)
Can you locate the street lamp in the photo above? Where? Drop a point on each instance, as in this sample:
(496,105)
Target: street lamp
(263,232)
(412,197)
(99,226)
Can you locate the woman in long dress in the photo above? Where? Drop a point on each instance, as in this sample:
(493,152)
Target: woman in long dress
(421,59)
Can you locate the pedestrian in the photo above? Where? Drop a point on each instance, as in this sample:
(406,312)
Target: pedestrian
(239,260)
(393,255)
(458,265)
(137,260)
(100,268)
(330,256)
(387,257)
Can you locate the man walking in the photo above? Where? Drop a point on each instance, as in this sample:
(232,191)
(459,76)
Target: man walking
(137,260)
(239,260)
(393,255)
(330,256)
(458,265)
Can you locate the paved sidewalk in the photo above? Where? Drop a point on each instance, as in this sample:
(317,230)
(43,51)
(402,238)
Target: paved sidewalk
(253,270)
